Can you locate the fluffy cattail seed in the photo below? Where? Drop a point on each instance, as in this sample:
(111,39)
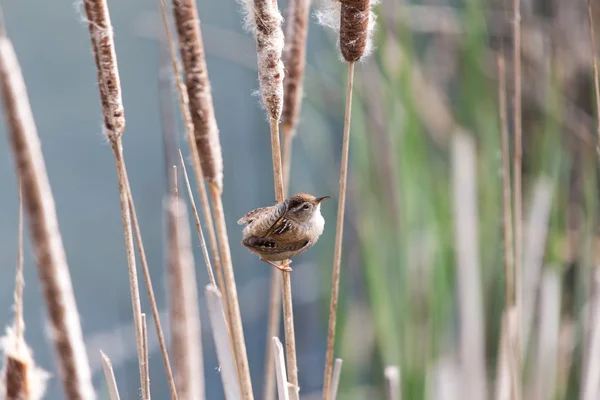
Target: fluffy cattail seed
(265,21)
(198,88)
(101,35)
(354,28)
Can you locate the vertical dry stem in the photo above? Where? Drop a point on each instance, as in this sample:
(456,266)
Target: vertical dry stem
(109,374)
(339,232)
(517,176)
(392,380)
(211,275)
(151,297)
(146,360)
(335,380)
(237,333)
(184,312)
(19,280)
(279,361)
(43,226)
(274,320)
(196,162)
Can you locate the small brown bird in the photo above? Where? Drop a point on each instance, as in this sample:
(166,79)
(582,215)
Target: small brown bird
(283,231)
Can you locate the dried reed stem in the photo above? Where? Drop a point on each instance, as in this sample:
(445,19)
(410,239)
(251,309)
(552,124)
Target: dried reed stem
(237,333)
(505,383)
(335,381)
(472,342)
(19,279)
(151,297)
(595,67)
(294,59)
(392,380)
(274,320)
(339,232)
(43,227)
(509,263)
(211,275)
(109,375)
(146,377)
(216,312)
(517,176)
(279,361)
(506,195)
(123,184)
(183,304)
(196,163)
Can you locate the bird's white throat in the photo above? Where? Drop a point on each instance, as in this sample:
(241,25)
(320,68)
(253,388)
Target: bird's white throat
(316,223)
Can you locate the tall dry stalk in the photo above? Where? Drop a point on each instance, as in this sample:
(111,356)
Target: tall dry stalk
(513,356)
(517,191)
(595,69)
(207,152)
(184,312)
(355,23)
(264,20)
(101,35)
(189,128)
(43,226)
(109,375)
(294,59)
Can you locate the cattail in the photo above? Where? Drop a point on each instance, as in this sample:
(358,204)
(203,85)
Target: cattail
(264,20)
(43,225)
(195,63)
(294,59)
(21,378)
(354,24)
(184,313)
(103,47)
(198,89)
(109,83)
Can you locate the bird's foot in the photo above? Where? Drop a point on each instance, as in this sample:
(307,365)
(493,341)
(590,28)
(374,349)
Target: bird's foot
(284,268)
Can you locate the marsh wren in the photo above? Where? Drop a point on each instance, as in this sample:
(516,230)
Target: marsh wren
(284,230)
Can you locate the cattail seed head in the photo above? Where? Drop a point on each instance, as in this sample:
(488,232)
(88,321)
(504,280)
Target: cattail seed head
(103,46)
(264,20)
(294,59)
(354,24)
(193,59)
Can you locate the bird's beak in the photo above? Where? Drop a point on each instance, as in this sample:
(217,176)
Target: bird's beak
(320,199)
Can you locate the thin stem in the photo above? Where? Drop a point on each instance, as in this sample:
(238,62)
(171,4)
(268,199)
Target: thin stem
(337,257)
(117,147)
(211,275)
(146,377)
(288,136)
(150,289)
(517,193)
(109,374)
(509,263)
(335,380)
(272,331)
(19,280)
(237,333)
(288,312)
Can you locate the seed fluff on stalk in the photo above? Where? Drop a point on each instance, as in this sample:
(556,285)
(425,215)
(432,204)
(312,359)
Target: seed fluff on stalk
(355,22)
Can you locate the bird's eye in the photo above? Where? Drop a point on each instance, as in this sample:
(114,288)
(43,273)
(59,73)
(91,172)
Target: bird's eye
(306,206)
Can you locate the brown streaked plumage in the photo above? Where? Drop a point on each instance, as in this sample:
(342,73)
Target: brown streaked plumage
(284,230)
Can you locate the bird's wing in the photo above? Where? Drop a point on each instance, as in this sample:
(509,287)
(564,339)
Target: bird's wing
(269,245)
(263,219)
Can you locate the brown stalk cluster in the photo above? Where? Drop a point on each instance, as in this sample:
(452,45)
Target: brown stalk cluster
(106,62)
(354,27)
(43,226)
(198,88)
